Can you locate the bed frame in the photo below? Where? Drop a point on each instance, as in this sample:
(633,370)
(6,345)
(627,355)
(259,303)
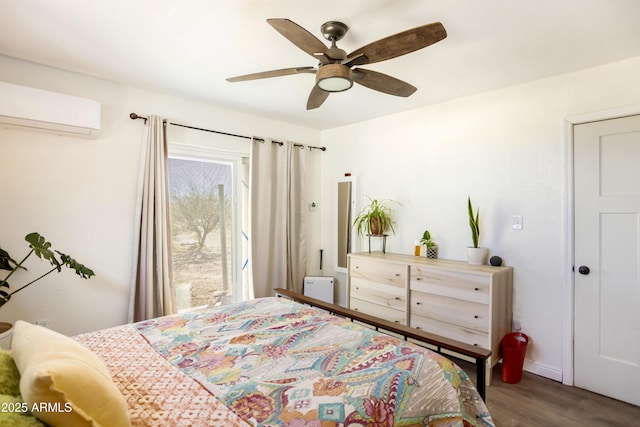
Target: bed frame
(480,355)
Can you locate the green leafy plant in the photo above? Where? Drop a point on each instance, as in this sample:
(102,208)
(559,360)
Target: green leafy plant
(42,249)
(474,223)
(426,239)
(375,218)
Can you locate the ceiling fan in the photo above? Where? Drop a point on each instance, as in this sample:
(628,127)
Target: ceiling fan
(335,71)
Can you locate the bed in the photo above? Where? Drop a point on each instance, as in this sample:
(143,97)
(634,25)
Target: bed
(277,362)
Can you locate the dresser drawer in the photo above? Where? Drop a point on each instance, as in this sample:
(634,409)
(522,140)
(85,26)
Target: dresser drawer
(452,284)
(459,333)
(378,293)
(451,310)
(380,311)
(381,272)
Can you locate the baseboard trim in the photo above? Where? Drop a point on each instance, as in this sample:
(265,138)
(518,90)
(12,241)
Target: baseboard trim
(543,370)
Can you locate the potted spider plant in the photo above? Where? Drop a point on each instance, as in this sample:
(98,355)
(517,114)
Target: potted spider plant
(476,254)
(375,218)
(39,246)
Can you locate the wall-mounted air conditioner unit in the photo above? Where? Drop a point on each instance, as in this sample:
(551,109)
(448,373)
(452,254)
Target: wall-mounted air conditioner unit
(43,110)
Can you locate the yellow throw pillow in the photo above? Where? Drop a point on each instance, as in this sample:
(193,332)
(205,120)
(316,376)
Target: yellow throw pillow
(64,381)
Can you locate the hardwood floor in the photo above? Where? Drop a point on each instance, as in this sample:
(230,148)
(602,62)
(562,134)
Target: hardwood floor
(538,401)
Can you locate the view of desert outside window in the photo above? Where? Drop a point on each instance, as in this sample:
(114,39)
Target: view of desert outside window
(200,209)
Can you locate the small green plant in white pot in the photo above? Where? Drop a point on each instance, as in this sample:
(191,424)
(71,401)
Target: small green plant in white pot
(476,254)
(431,248)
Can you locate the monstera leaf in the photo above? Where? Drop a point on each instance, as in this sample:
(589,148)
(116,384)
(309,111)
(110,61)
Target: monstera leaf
(42,249)
(6,262)
(80,269)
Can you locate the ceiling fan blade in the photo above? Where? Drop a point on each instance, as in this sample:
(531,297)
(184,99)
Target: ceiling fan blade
(400,44)
(299,36)
(382,82)
(316,98)
(272,73)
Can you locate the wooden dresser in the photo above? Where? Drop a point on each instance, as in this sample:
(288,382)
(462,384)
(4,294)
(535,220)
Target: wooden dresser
(454,299)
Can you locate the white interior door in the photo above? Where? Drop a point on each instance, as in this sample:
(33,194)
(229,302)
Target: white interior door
(607,243)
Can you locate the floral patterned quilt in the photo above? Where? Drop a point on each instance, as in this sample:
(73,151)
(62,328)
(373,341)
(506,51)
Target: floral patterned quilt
(274,362)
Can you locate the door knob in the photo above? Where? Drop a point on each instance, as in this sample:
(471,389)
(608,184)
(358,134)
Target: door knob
(583,269)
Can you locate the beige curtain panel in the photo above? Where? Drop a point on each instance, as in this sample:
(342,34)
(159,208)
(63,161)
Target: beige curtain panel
(152,292)
(277,236)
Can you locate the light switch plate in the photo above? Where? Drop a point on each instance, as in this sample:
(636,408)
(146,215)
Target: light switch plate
(516,222)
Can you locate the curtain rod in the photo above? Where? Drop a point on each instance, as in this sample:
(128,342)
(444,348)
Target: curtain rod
(134,116)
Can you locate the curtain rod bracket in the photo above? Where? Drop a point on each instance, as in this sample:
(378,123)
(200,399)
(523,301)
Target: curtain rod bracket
(134,116)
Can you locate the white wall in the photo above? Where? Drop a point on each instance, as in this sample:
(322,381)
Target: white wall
(505,149)
(80,194)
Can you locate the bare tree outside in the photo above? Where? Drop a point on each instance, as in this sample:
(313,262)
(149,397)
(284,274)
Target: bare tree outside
(201,250)
(197,211)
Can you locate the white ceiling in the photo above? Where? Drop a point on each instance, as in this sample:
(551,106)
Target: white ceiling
(189,47)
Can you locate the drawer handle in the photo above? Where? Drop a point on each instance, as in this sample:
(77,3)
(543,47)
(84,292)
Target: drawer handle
(476,345)
(418,303)
(476,317)
(476,289)
(396,321)
(397,274)
(418,278)
(357,288)
(418,327)
(397,298)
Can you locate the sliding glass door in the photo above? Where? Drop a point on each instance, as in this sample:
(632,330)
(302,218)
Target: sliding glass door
(207,218)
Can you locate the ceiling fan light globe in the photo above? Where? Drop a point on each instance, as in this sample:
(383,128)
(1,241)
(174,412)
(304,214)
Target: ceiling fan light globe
(335,84)
(334,78)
